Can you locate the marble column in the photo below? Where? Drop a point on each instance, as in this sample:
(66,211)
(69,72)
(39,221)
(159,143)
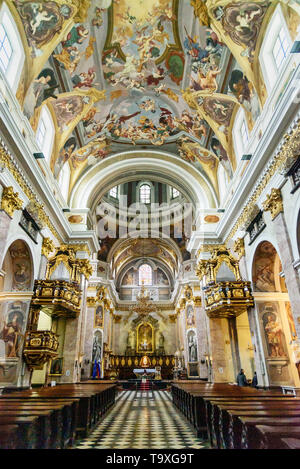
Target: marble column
(291,276)
(72,343)
(234,343)
(201,327)
(217,350)
(4,227)
(259,358)
(71,351)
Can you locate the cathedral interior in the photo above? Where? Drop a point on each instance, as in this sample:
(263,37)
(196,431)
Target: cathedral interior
(150,224)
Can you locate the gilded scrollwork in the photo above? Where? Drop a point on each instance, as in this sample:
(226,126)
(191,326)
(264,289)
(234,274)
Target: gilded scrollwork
(274,203)
(10,201)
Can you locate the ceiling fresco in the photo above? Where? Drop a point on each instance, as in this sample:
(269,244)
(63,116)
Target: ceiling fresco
(159,74)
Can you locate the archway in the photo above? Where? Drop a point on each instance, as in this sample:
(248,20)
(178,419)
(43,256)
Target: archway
(275,317)
(16,285)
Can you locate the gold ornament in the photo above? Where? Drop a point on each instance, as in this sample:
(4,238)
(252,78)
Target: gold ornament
(47,247)
(201,12)
(239,247)
(274,203)
(10,201)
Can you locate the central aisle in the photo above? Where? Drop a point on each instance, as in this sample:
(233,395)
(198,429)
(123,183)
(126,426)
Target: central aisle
(145,420)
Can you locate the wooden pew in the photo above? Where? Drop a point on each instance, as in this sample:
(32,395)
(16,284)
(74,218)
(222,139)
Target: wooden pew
(271,437)
(73,410)
(216,419)
(250,438)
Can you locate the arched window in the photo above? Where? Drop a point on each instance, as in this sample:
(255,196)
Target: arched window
(114,192)
(12,54)
(64,180)
(175,193)
(145,274)
(223,182)
(145,194)
(275,48)
(45,133)
(240,134)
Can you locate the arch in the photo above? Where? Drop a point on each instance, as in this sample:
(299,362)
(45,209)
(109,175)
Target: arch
(145,192)
(222,182)
(145,274)
(64,180)
(12,66)
(266,267)
(45,133)
(240,134)
(18,268)
(270,69)
(166,167)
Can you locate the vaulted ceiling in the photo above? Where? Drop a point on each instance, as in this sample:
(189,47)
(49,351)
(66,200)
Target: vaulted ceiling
(167,75)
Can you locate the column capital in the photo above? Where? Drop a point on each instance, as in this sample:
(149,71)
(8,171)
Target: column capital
(239,247)
(273,203)
(10,201)
(47,247)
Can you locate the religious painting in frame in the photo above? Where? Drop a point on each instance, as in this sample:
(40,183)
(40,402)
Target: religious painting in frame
(190,317)
(99,316)
(56,366)
(145,338)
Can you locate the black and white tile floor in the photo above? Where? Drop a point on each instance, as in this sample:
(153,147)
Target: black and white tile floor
(145,420)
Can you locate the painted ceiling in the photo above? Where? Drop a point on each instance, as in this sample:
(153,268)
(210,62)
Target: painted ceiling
(121,74)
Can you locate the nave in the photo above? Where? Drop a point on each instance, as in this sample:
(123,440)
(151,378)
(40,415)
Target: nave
(143,420)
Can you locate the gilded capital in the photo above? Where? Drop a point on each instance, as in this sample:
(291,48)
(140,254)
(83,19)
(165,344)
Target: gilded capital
(202,269)
(173,317)
(239,247)
(273,203)
(198,301)
(10,201)
(201,12)
(47,247)
(117,318)
(85,268)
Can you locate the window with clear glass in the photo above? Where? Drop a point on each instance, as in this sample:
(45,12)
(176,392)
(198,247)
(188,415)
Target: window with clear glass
(145,275)
(6,49)
(175,193)
(244,133)
(114,192)
(145,194)
(41,133)
(280,48)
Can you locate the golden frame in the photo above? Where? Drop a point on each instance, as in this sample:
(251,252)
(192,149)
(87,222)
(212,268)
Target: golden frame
(138,338)
(101,303)
(50,365)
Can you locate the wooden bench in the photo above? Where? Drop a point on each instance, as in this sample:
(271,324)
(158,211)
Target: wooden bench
(61,413)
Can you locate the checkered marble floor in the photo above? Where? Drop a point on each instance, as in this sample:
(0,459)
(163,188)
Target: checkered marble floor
(145,420)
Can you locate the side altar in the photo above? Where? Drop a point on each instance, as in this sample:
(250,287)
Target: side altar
(145,348)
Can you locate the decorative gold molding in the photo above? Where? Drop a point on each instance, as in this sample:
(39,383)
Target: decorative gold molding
(210,248)
(210,267)
(201,12)
(173,317)
(82,9)
(197,301)
(10,201)
(6,160)
(91,301)
(284,159)
(117,318)
(239,247)
(228,299)
(47,247)
(84,266)
(273,203)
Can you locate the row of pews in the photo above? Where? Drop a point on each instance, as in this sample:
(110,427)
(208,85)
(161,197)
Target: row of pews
(53,417)
(233,417)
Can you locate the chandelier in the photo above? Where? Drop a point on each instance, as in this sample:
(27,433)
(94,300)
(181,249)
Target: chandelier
(144,304)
